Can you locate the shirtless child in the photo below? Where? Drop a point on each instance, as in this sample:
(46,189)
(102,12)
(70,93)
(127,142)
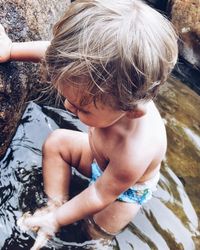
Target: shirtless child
(108,60)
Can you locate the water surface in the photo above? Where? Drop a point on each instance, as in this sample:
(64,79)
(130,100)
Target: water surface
(168,221)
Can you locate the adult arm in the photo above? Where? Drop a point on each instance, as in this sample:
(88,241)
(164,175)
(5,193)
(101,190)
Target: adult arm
(22,51)
(28,51)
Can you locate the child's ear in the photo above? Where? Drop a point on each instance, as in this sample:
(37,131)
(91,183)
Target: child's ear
(137,112)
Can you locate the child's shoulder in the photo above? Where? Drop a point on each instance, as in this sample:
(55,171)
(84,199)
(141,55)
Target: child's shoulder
(152,120)
(153,132)
(147,142)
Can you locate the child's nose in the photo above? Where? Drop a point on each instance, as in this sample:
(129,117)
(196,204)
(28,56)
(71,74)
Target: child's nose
(70,107)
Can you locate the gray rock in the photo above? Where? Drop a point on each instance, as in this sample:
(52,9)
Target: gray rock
(24,20)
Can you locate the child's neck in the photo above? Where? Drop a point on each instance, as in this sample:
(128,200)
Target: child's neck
(123,126)
(128,123)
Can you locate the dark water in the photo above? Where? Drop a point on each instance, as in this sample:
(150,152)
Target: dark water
(168,221)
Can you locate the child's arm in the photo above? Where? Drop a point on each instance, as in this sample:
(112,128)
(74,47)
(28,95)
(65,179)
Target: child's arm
(24,51)
(90,201)
(100,194)
(86,203)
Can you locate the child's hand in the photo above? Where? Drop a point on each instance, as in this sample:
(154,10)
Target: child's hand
(5,45)
(40,241)
(43,222)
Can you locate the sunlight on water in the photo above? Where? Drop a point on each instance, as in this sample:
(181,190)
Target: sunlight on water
(193,137)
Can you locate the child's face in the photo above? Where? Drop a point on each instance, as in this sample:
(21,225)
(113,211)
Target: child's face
(99,115)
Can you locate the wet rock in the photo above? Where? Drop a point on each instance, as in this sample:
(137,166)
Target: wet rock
(185,15)
(24,20)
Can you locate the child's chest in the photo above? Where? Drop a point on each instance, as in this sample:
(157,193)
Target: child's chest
(99,147)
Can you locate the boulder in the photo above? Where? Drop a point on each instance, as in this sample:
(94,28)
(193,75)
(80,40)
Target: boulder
(24,20)
(185,15)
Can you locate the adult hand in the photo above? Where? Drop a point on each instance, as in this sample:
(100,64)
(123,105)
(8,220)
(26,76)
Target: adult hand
(5,45)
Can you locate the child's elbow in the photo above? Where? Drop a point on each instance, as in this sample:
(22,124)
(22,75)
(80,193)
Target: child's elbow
(101,198)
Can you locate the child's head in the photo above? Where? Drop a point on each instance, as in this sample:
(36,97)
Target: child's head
(123,49)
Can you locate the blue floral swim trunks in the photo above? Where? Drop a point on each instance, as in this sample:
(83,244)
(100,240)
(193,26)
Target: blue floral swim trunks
(139,193)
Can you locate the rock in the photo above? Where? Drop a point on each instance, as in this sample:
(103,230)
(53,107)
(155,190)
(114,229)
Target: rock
(24,20)
(185,15)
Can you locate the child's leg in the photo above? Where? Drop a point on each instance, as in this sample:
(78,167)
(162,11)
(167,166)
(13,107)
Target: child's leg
(112,219)
(63,149)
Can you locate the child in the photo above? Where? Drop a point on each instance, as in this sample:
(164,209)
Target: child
(108,60)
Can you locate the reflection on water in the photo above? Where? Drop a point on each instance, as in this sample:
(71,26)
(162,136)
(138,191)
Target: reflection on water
(168,221)
(159,225)
(193,137)
(183,129)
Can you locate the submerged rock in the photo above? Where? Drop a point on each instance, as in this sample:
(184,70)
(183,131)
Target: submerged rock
(179,106)
(24,20)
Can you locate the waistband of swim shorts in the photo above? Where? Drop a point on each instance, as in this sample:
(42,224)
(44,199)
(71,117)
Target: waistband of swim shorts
(149,184)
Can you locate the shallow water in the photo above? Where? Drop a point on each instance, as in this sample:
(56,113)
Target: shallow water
(168,221)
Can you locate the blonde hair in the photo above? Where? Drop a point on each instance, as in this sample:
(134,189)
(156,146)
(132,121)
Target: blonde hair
(124,48)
